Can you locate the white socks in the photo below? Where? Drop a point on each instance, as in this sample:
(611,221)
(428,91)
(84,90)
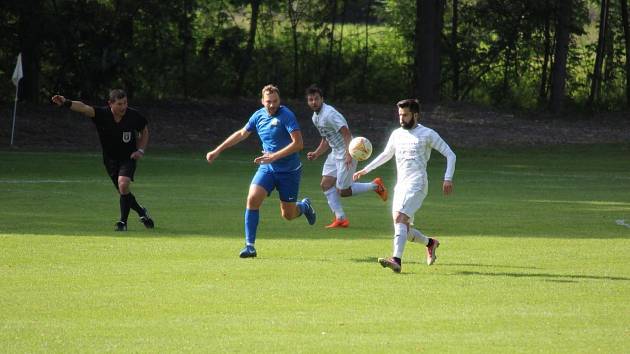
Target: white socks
(415,235)
(334,202)
(334,199)
(400,237)
(358,188)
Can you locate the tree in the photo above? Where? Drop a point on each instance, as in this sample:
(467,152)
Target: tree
(428,32)
(30,33)
(542,92)
(186,36)
(596,78)
(295,9)
(328,75)
(247,56)
(626,36)
(454,52)
(559,67)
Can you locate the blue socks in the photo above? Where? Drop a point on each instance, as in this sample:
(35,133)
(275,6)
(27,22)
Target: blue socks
(251,224)
(301,207)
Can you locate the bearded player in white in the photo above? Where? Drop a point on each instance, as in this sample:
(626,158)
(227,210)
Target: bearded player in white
(411,144)
(339,166)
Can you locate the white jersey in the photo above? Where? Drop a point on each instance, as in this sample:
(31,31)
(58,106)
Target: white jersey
(412,149)
(328,122)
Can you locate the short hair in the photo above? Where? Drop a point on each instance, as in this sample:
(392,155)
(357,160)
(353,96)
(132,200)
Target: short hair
(313,89)
(116,94)
(269,89)
(411,103)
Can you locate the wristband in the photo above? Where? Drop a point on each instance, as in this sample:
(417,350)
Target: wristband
(67,103)
(140,151)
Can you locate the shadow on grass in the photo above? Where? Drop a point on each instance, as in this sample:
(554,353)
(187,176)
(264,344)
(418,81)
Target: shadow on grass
(485,265)
(208,229)
(556,278)
(545,276)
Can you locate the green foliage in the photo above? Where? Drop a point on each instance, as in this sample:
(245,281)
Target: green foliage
(195,48)
(531,259)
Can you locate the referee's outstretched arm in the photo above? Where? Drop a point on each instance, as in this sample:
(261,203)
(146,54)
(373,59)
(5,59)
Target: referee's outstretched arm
(76,106)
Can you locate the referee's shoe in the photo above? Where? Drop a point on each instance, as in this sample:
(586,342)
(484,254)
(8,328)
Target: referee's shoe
(146,219)
(120,226)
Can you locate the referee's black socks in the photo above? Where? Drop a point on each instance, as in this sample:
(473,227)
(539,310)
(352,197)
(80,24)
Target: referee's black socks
(125,206)
(134,204)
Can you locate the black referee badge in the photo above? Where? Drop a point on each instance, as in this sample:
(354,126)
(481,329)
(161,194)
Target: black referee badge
(126,137)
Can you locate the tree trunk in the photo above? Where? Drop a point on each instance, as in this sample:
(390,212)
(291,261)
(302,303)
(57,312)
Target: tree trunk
(328,74)
(428,32)
(626,36)
(30,37)
(122,42)
(186,34)
(599,55)
(542,93)
(247,57)
(454,51)
(366,51)
(559,68)
(294,17)
(339,59)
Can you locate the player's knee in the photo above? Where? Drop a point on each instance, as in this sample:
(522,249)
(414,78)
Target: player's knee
(345,192)
(401,219)
(286,214)
(123,187)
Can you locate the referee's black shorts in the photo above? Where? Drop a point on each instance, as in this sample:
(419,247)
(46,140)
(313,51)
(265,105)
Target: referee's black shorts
(116,168)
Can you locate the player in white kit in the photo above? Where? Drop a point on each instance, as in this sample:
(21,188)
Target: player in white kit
(411,144)
(339,166)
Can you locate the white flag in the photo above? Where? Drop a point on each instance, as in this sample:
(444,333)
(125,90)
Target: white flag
(18,73)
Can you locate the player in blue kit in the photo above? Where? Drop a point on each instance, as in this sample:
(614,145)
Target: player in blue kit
(280,166)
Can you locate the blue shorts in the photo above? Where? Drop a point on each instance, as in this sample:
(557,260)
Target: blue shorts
(287,183)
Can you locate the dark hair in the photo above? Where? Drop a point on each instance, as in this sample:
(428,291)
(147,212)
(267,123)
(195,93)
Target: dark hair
(411,103)
(116,94)
(313,89)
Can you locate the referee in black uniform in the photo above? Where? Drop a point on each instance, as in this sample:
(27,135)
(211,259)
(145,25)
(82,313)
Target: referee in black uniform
(124,135)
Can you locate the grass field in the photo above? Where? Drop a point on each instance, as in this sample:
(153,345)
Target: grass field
(531,260)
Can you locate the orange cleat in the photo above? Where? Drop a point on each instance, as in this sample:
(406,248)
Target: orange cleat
(338,224)
(380,188)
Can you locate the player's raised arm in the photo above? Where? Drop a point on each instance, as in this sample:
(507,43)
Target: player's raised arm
(76,106)
(232,140)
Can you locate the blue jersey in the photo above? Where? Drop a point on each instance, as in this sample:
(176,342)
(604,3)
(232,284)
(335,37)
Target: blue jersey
(275,134)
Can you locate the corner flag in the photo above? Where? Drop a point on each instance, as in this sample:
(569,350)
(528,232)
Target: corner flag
(18,74)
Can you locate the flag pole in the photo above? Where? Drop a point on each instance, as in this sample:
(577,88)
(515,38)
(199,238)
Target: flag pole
(18,74)
(14,110)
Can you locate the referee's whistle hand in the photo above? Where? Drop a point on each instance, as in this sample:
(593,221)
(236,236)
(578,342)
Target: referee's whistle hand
(136,155)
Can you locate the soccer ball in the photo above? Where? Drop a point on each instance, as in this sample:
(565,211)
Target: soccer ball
(360,148)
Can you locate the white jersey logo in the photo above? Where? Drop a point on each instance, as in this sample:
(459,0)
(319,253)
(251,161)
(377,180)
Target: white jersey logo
(126,137)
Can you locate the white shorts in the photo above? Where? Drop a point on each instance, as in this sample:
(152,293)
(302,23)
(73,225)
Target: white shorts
(338,169)
(408,201)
